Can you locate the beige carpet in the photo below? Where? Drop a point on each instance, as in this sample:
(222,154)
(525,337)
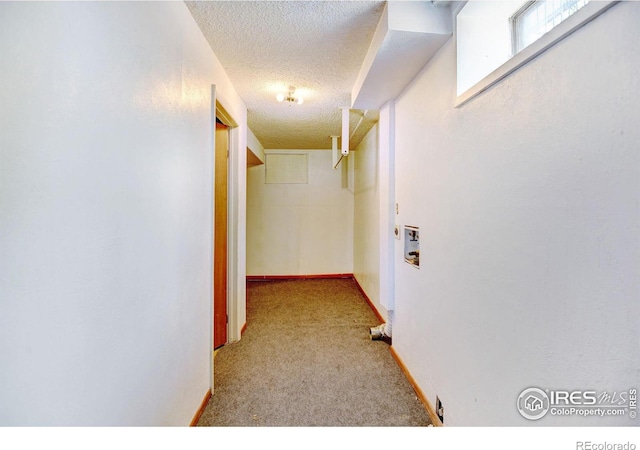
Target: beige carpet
(306,360)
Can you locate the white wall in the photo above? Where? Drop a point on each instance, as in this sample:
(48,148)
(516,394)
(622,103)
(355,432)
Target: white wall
(371,173)
(483,39)
(527,199)
(366,250)
(387,205)
(300,229)
(106,212)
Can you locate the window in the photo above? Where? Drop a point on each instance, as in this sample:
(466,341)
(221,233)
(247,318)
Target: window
(495,38)
(536,18)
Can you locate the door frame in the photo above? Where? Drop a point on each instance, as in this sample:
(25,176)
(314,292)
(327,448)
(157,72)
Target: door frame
(218,111)
(221,236)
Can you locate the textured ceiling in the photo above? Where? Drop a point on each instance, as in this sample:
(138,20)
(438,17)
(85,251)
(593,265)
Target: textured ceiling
(317,46)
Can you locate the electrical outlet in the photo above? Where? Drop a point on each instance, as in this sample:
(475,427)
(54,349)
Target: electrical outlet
(439,409)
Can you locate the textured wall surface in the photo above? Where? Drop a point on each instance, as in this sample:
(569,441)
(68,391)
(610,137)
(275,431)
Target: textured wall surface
(105,200)
(300,229)
(366,224)
(527,199)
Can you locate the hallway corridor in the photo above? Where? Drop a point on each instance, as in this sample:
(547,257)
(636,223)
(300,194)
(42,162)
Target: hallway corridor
(306,360)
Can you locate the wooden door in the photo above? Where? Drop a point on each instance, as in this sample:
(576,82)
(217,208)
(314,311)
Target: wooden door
(220,237)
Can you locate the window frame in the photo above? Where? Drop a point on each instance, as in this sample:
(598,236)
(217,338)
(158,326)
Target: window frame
(515,22)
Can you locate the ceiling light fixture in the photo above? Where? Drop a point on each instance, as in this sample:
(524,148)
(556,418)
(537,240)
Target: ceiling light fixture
(290,97)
